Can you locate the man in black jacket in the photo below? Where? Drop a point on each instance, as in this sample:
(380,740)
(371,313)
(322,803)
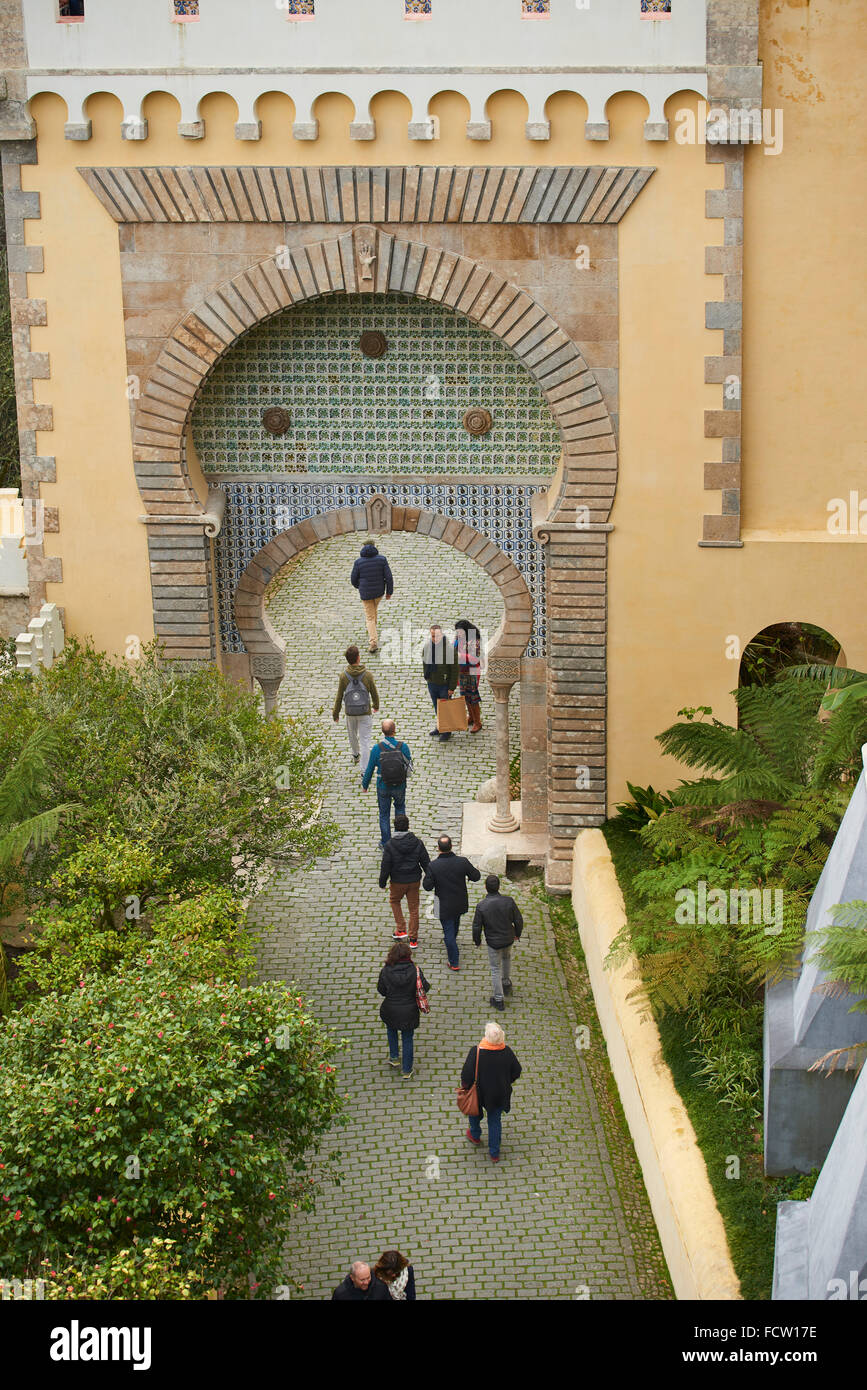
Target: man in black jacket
(499,917)
(447,876)
(404,859)
(360,1283)
(440,668)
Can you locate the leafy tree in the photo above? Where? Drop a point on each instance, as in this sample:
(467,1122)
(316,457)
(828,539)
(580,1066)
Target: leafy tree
(148,1270)
(74,941)
(180,764)
(27,819)
(151,1104)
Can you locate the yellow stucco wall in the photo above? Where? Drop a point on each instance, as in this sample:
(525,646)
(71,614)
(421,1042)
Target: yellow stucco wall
(673,605)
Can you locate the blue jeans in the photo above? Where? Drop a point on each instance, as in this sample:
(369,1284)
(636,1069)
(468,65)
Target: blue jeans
(385,796)
(450,932)
(495,1130)
(406,1039)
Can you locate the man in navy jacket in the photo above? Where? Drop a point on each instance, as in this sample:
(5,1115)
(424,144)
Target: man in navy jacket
(372,577)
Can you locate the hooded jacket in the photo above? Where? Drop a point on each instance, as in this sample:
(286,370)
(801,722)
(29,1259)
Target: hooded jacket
(399,1008)
(371,574)
(357,669)
(403,859)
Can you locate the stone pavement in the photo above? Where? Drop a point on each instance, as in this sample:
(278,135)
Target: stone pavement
(548,1222)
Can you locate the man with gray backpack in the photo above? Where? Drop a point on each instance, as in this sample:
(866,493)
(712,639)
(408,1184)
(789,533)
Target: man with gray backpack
(357,694)
(392,762)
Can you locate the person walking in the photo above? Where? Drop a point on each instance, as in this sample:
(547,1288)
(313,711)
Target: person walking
(499,917)
(361,1284)
(372,577)
(392,762)
(447,875)
(356,692)
(468,641)
(494,1067)
(440,667)
(399,1011)
(395,1271)
(404,860)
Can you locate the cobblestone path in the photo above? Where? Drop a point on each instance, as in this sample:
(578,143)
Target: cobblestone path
(548,1222)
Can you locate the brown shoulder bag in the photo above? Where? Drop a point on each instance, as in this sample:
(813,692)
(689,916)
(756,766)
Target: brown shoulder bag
(468,1096)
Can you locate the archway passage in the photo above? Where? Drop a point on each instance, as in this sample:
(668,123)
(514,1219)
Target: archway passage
(329,926)
(265,645)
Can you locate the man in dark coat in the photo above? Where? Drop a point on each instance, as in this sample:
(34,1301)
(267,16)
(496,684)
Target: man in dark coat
(440,668)
(447,876)
(360,1284)
(493,1067)
(399,1011)
(371,576)
(404,860)
(499,917)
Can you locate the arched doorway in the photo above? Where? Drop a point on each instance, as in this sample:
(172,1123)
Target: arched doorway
(508,643)
(569,519)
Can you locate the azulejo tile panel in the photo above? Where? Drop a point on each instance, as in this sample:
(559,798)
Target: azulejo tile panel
(257,511)
(401,413)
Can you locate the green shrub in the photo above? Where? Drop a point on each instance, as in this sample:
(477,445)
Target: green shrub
(150,1270)
(180,764)
(150,1104)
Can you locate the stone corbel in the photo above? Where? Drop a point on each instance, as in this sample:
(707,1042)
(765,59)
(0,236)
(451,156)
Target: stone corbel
(215,510)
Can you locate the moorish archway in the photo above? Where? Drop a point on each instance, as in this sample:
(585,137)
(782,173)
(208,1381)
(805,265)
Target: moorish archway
(267,648)
(571,520)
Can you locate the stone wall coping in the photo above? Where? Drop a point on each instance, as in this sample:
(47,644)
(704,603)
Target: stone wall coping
(690,1227)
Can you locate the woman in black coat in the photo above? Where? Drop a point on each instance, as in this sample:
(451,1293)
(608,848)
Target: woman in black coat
(395,1271)
(498,1067)
(399,1009)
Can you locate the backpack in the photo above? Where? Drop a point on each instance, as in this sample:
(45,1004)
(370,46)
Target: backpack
(393,765)
(356,698)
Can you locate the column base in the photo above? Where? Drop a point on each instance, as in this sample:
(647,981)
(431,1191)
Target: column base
(503,825)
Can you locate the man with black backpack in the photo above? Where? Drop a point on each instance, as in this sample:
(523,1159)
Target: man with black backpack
(356,693)
(392,762)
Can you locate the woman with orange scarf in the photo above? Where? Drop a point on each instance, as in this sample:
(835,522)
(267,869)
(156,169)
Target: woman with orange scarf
(498,1067)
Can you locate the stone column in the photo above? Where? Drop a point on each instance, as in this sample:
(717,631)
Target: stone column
(503,821)
(269,672)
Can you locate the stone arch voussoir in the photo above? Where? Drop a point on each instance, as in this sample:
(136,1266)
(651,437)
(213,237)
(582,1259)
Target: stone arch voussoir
(267,649)
(369,260)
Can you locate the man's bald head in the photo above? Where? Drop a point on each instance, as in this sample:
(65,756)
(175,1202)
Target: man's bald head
(389,728)
(359,1273)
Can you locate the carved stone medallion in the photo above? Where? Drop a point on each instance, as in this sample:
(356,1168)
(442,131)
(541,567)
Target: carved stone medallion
(373,343)
(276,419)
(478,421)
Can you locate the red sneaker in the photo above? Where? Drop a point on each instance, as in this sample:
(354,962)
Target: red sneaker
(495,1160)
(454,967)
(477,1142)
(399,935)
